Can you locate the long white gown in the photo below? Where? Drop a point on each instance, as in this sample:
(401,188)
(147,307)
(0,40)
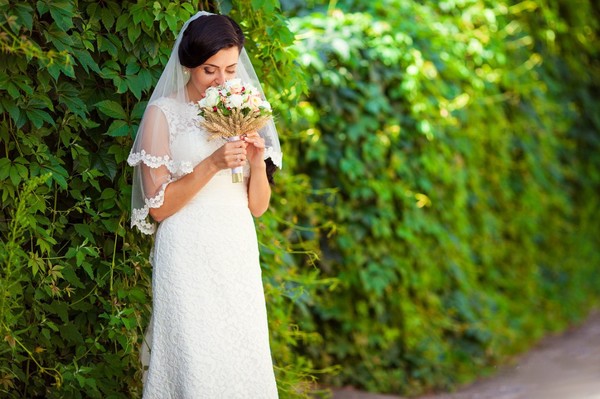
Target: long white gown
(209,325)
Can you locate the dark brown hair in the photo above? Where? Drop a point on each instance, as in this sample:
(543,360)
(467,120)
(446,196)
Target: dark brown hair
(206,36)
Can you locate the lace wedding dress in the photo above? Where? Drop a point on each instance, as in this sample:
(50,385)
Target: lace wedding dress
(209,335)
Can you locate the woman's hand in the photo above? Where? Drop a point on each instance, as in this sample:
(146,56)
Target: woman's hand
(255,148)
(231,155)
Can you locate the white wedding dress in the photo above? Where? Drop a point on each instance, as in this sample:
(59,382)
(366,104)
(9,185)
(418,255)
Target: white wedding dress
(209,334)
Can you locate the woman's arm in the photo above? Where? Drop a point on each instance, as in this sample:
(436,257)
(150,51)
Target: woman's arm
(179,192)
(259,190)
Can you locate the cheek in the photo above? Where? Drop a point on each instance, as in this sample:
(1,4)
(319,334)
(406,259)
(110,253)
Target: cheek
(203,78)
(202,81)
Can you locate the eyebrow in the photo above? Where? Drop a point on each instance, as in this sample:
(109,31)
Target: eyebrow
(216,66)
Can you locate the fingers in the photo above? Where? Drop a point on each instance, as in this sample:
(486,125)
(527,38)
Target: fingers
(254,139)
(237,153)
(234,153)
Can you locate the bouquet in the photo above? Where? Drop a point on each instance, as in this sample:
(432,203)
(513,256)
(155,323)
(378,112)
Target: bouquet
(232,110)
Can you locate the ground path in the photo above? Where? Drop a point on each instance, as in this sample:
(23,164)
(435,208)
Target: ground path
(566,366)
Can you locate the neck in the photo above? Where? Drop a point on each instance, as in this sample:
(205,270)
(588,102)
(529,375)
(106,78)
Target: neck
(192,93)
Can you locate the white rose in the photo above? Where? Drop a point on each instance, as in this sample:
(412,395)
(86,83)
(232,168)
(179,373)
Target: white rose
(255,101)
(235,101)
(251,90)
(235,86)
(211,98)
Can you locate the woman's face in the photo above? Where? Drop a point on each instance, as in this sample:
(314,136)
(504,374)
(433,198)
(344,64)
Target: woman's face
(215,71)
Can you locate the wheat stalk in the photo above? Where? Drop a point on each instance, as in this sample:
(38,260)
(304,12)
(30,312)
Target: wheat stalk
(234,124)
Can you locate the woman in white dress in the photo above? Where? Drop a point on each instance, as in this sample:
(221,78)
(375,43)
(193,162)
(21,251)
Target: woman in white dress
(208,336)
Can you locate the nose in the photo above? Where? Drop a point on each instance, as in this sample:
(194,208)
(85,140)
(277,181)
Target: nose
(220,79)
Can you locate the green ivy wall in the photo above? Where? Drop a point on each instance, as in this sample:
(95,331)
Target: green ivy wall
(462,138)
(74,278)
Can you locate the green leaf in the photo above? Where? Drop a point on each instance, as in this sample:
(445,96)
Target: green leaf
(25,14)
(13,111)
(14,176)
(106,45)
(84,231)
(38,117)
(62,13)
(41,101)
(5,165)
(132,68)
(59,38)
(86,61)
(133,32)
(42,7)
(108,18)
(118,128)
(138,110)
(54,70)
(172,21)
(136,85)
(138,295)
(108,193)
(71,334)
(10,87)
(36,264)
(61,309)
(71,278)
(104,162)
(123,22)
(59,173)
(111,109)
(68,96)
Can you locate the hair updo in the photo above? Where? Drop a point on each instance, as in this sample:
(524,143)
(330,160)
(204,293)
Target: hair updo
(206,36)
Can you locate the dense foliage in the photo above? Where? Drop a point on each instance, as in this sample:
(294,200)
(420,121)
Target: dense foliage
(441,172)
(463,140)
(74,279)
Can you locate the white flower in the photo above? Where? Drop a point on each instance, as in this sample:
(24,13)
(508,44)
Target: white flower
(254,102)
(211,98)
(266,105)
(234,86)
(235,101)
(251,91)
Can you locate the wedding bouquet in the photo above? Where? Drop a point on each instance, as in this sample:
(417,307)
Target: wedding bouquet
(232,110)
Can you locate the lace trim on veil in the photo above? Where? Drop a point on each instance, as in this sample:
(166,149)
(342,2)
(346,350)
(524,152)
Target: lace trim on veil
(275,156)
(139,216)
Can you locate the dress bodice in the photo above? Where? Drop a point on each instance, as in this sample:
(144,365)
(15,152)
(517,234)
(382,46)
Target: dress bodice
(188,141)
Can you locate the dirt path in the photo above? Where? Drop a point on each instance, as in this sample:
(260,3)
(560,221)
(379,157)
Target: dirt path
(560,367)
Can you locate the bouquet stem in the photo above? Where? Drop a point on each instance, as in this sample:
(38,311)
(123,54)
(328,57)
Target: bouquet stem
(237,173)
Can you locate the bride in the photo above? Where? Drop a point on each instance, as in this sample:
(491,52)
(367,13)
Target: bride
(208,336)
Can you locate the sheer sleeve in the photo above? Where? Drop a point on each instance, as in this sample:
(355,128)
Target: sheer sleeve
(154,167)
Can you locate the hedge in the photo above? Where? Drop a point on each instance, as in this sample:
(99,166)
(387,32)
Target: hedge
(75,279)
(462,140)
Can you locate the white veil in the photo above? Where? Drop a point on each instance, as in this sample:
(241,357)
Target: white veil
(154,167)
